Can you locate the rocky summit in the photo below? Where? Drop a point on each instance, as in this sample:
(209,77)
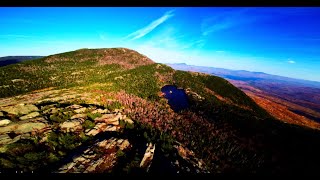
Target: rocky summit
(104,139)
(104,111)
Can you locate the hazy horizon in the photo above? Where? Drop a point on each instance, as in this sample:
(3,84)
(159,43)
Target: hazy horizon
(278,41)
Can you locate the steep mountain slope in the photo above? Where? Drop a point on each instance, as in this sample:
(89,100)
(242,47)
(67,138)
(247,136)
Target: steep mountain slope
(89,98)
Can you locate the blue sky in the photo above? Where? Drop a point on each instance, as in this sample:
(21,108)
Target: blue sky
(280,41)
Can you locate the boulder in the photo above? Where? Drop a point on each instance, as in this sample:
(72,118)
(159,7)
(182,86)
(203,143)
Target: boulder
(101,127)
(89,161)
(109,119)
(71,126)
(39,119)
(29,127)
(93,132)
(79,116)
(22,128)
(1,114)
(148,156)
(124,144)
(104,117)
(81,110)
(111,128)
(92,168)
(9,128)
(29,116)
(4,122)
(51,111)
(4,139)
(75,106)
(79,159)
(20,109)
(107,143)
(129,121)
(104,111)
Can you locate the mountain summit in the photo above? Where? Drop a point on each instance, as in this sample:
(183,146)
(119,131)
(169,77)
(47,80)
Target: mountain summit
(105,110)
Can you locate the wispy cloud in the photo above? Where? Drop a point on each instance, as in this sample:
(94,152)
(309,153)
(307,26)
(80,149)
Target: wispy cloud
(226,20)
(199,43)
(147,29)
(217,27)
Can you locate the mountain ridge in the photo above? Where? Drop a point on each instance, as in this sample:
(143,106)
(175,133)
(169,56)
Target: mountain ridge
(75,96)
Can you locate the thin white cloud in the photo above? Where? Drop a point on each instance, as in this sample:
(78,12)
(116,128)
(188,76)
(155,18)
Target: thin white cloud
(199,43)
(147,29)
(291,62)
(226,20)
(217,27)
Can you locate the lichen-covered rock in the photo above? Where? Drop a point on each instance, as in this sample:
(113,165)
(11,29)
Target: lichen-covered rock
(194,95)
(8,128)
(29,116)
(104,111)
(1,114)
(93,132)
(90,161)
(22,128)
(102,127)
(81,110)
(4,122)
(109,119)
(29,127)
(104,117)
(20,109)
(51,111)
(4,139)
(39,119)
(111,128)
(71,126)
(78,116)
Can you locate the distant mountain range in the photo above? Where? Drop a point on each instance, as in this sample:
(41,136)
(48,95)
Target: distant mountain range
(7,60)
(291,100)
(245,75)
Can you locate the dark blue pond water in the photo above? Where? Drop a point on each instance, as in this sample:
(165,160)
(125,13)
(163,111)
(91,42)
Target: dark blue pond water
(178,99)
